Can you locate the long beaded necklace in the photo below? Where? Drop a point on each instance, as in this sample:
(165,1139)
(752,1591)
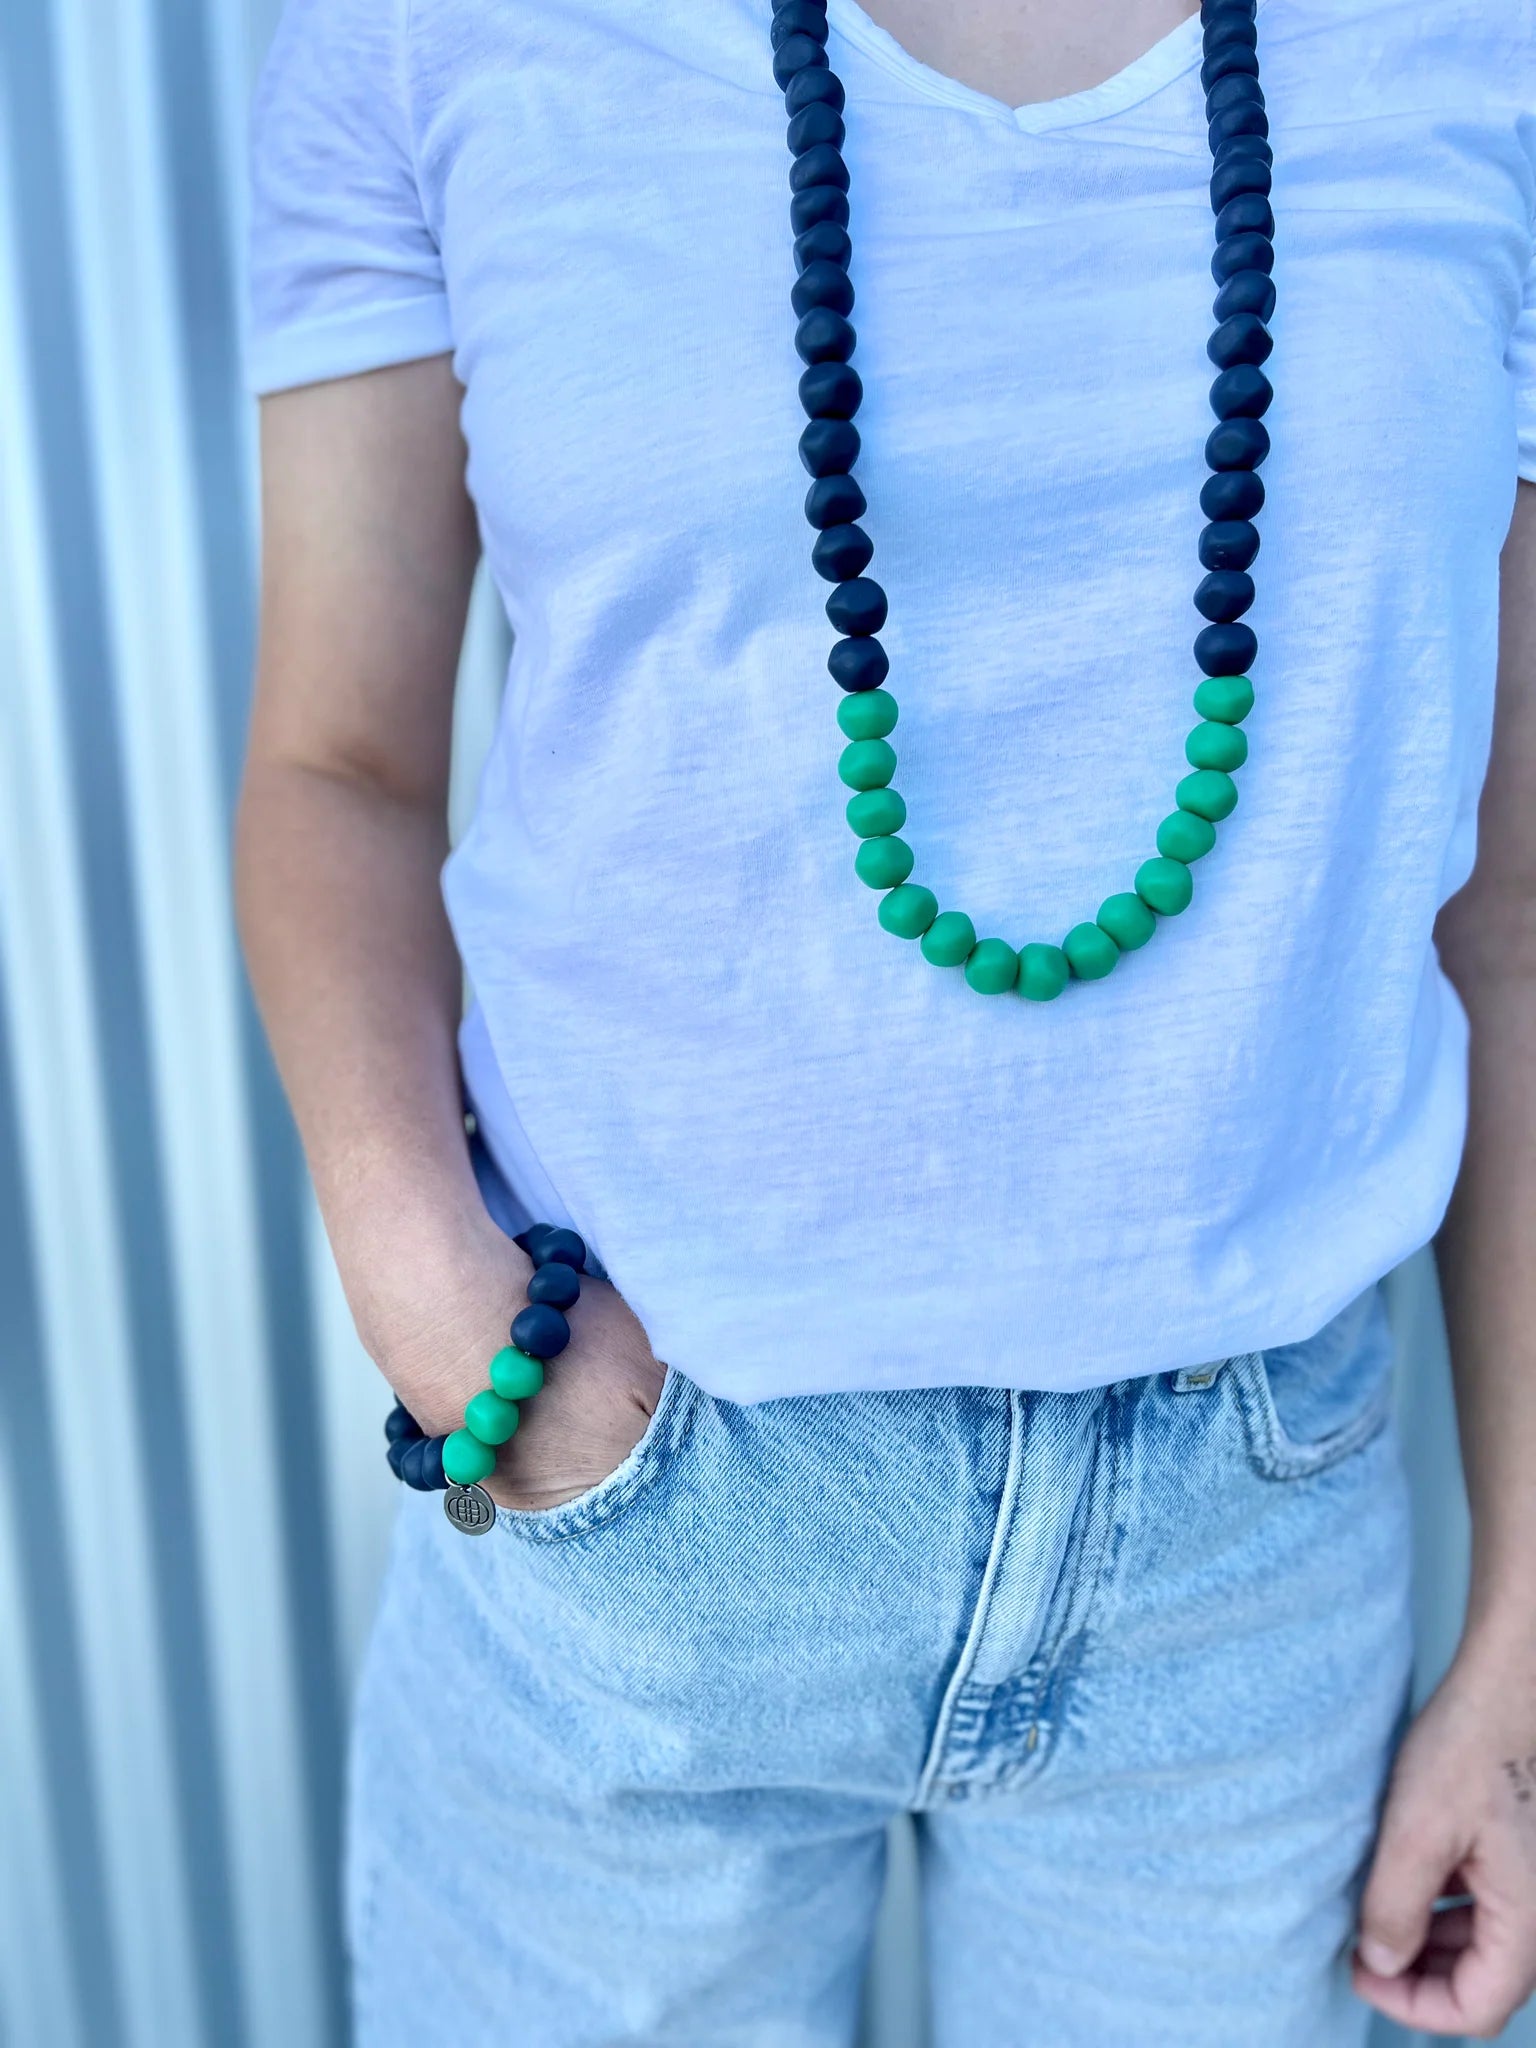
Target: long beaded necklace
(830,392)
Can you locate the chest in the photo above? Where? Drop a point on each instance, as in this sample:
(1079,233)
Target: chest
(611,197)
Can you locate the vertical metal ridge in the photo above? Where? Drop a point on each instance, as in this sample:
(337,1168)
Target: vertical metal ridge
(88,2008)
(50,329)
(198,211)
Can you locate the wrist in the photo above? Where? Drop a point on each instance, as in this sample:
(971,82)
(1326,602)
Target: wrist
(428,1287)
(1499,1637)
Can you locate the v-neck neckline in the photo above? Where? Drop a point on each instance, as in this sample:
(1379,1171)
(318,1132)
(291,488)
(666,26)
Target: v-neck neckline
(1171,55)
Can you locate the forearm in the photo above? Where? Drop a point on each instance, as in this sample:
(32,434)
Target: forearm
(358,982)
(1487,1259)
(1487,1248)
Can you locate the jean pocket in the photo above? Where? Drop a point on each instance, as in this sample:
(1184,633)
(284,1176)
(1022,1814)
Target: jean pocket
(1308,1406)
(659,1444)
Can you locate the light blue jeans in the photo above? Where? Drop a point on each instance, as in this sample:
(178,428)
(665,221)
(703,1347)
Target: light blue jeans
(1134,1657)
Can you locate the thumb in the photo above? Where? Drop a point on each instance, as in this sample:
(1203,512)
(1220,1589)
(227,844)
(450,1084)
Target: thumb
(1414,1857)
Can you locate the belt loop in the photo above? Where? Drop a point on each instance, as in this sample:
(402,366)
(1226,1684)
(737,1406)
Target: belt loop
(1197,1379)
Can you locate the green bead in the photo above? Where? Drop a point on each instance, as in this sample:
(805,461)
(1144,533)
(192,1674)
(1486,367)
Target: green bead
(873,811)
(949,939)
(884,862)
(1227,698)
(490,1418)
(514,1374)
(993,966)
(1127,920)
(1183,836)
(1043,972)
(466,1460)
(909,910)
(1213,745)
(867,714)
(867,764)
(1208,793)
(1090,951)
(1165,886)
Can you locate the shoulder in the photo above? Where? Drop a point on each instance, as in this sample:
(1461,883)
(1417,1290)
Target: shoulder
(1435,42)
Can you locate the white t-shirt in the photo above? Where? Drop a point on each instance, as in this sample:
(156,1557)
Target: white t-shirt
(810,1160)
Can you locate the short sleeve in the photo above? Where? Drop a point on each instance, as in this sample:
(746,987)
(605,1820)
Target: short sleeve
(344,273)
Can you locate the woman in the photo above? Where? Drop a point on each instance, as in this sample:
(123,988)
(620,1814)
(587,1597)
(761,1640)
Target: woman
(1021,1458)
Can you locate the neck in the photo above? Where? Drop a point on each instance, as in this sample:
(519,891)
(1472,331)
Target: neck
(1020,51)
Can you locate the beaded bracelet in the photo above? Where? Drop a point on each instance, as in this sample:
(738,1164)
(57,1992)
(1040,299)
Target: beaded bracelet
(454,1465)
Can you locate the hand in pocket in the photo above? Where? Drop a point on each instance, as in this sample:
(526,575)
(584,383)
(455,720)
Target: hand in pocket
(433,1328)
(597,1398)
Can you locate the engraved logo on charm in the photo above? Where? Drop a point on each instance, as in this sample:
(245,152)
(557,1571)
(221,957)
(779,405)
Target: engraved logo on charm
(470,1508)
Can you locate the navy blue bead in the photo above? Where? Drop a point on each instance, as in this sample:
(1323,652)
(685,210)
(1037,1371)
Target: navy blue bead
(831,391)
(1229,544)
(557,1286)
(857,606)
(1229,31)
(817,123)
(811,85)
(841,552)
(1254,148)
(541,1331)
(396,1455)
(822,284)
(822,202)
(1229,56)
(400,1425)
(561,1246)
(1225,60)
(1241,393)
(413,1467)
(798,18)
(824,243)
(834,501)
(434,1478)
(1226,650)
(1224,594)
(1232,494)
(822,165)
(1248,214)
(534,1234)
(1239,174)
(1249,291)
(1236,89)
(858,664)
(1236,444)
(793,55)
(1242,120)
(824,337)
(1242,339)
(829,447)
(1242,252)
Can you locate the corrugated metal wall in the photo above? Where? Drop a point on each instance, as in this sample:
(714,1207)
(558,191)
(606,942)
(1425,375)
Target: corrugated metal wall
(180,1607)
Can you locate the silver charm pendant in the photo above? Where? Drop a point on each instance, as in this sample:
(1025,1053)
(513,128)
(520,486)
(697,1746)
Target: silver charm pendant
(470,1509)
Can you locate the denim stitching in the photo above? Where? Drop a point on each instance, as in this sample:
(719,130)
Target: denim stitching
(1271,1452)
(928,1777)
(1050,1672)
(661,1442)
